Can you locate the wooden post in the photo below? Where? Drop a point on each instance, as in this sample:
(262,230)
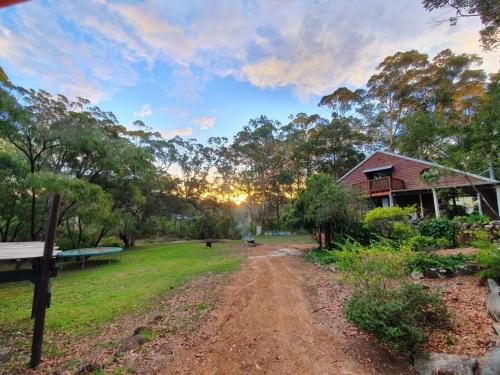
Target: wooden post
(436,202)
(421,205)
(41,297)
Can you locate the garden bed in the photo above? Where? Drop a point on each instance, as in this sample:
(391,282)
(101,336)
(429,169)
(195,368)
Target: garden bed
(471,333)
(458,251)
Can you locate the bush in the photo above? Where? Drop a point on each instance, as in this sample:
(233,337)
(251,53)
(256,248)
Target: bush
(444,243)
(422,262)
(390,222)
(421,243)
(322,257)
(489,258)
(401,318)
(439,228)
(471,219)
(375,265)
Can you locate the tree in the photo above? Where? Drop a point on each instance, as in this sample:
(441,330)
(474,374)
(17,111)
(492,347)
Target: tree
(337,147)
(393,90)
(487,10)
(325,209)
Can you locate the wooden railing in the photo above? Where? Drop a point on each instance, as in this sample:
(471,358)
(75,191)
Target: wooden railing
(381,186)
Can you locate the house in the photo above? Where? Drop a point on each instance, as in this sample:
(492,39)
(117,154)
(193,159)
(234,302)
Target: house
(390,179)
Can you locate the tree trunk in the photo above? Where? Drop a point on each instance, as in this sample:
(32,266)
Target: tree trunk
(328,236)
(320,238)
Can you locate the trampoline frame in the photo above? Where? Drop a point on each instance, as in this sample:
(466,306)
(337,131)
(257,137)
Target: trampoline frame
(80,253)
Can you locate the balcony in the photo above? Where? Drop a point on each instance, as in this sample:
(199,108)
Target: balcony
(382,186)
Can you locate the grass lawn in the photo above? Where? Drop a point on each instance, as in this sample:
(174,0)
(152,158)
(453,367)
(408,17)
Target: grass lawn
(83,301)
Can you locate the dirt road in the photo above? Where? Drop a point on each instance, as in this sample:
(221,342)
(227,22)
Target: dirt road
(273,320)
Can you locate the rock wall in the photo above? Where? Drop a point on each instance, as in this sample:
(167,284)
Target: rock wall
(466,233)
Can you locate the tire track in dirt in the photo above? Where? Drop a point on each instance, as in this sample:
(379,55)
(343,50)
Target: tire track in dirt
(266,325)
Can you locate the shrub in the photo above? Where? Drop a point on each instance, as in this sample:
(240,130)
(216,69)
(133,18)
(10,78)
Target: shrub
(443,243)
(390,222)
(375,265)
(471,219)
(422,262)
(401,318)
(439,228)
(322,257)
(489,258)
(421,243)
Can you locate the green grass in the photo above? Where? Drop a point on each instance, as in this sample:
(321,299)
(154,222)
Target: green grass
(83,301)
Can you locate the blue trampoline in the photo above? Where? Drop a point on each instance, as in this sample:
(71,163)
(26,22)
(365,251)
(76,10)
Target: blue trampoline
(89,252)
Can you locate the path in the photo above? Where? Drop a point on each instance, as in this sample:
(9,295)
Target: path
(267,324)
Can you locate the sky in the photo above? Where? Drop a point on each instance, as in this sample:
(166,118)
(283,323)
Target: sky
(204,68)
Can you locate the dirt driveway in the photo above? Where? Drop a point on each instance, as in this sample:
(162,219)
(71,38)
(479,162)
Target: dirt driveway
(273,320)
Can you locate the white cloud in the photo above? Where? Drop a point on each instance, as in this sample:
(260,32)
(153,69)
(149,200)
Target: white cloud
(144,111)
(311,47)
(204,123)
(182,132)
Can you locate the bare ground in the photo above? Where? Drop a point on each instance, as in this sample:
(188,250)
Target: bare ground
(277,315)
(273,320)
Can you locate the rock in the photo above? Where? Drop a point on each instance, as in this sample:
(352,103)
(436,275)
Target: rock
(436,273)
(493,302)
(469,268)
(417,275)
(490,363)
(441,364)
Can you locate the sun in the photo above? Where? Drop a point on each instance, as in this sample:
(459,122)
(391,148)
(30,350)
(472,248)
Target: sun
(239,199)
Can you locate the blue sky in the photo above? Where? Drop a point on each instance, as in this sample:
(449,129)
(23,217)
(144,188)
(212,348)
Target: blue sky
(204,68)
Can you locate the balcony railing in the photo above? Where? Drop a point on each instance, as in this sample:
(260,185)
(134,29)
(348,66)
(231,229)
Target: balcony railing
(382,186)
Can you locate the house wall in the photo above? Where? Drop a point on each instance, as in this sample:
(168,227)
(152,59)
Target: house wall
(407,170)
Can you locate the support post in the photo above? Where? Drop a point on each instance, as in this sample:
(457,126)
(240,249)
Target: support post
(497,188)
(421,205)
(436,202)
(479,205)
(42,296)
(391,200)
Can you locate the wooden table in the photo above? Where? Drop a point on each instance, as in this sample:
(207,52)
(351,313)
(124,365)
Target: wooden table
(22,250)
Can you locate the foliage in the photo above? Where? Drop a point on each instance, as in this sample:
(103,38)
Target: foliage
(376,265)
(325,207)
(400,317)
(471,219)
(438,228)
(321,256)
(443,243)
(486,10)
(390,222)
(489,258)
(421,243)
(422,262)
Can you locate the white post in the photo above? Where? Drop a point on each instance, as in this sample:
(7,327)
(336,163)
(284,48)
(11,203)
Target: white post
(498,198)
(421,205)
(391,201)
(479,205)
(436,202)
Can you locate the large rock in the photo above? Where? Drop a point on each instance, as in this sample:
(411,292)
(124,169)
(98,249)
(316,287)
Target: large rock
(490,363)
(493,302)
(444,364)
